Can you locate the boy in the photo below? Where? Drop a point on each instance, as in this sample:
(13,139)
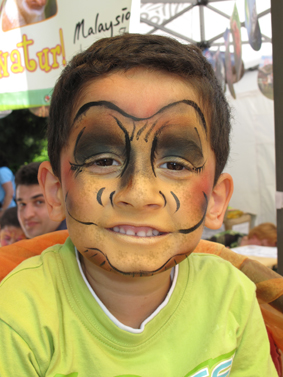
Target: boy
(10,228)
(138,138)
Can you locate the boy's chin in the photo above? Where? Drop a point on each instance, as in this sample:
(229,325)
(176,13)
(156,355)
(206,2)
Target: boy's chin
(140,268)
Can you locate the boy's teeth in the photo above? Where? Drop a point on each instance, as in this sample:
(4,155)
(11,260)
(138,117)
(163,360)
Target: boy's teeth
(139,233)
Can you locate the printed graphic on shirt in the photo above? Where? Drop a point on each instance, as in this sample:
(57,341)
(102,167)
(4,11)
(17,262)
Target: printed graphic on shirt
(218,367)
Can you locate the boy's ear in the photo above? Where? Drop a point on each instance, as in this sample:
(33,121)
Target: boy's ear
(52,191)
(218,202)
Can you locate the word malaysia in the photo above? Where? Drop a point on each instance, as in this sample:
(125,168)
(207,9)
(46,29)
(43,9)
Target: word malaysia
(47,58)
(100,27)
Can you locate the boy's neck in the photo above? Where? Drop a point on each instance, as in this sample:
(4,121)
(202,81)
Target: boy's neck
(130,299)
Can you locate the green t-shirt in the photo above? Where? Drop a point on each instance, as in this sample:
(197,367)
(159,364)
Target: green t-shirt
(51,325)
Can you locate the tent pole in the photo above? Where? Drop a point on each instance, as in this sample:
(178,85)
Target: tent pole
(201,21)
(277,40)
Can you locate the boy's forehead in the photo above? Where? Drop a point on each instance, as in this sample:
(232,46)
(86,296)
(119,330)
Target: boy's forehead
(139,91)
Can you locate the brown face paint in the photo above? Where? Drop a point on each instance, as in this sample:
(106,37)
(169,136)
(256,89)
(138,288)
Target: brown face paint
(103,260)
(170,134)
(175,141)
(109,105)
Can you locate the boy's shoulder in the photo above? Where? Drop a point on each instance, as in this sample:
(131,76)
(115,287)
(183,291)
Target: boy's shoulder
(211,269)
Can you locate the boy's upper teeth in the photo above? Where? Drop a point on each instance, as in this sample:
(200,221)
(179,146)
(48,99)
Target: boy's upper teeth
(136,231)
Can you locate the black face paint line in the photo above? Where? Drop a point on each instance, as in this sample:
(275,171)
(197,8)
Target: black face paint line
(98,196)
(77,141)
(127,146)
(176,200)
(140,131)
(153,147)
(109,105)
(165,201)
(193,228)
(198,138)
(149,131)
(133,132)
(133,273)
(79,221)
(111,198)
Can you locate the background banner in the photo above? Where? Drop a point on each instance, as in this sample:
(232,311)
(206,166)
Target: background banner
(39,37)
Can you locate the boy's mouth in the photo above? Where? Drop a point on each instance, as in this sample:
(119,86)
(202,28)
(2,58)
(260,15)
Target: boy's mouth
(138,231)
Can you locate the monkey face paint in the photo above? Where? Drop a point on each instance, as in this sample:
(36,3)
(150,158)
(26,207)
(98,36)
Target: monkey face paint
(138,172)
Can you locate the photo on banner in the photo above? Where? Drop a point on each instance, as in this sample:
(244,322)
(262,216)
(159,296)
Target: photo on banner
(252,24)
(39,37)
(18,13)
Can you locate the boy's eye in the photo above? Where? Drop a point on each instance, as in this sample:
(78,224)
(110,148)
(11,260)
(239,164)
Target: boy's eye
(173,166)
(39,202)
(106,162)
(176,166)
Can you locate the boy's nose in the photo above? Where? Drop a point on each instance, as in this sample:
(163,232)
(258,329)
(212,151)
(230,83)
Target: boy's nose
(140,192)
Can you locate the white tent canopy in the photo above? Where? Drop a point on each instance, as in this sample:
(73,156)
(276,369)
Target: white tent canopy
(252,158)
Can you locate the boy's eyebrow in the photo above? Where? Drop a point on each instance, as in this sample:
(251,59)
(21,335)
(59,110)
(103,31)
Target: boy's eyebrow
(112,106)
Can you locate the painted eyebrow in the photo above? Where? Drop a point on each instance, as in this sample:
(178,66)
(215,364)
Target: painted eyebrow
(112,106)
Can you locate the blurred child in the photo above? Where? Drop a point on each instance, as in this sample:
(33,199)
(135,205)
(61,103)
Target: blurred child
(10,229)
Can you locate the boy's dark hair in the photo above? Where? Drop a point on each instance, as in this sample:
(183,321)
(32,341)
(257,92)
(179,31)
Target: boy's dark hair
(27,174)
(148,51)
(10,218)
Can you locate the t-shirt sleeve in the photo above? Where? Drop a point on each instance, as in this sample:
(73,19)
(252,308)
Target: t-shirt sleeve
(16,358)
(5,175)
(252,358)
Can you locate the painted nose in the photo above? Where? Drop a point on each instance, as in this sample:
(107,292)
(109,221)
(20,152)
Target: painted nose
(140,192)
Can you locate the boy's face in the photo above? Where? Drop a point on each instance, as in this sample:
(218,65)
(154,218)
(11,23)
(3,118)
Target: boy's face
(10,234)
(138,172)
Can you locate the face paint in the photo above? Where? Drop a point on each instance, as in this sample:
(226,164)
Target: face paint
(138,173)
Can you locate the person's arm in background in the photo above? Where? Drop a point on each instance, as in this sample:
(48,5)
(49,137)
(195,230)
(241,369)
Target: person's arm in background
(9,194)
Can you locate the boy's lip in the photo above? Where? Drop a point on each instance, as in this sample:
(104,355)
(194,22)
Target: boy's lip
(137,231)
